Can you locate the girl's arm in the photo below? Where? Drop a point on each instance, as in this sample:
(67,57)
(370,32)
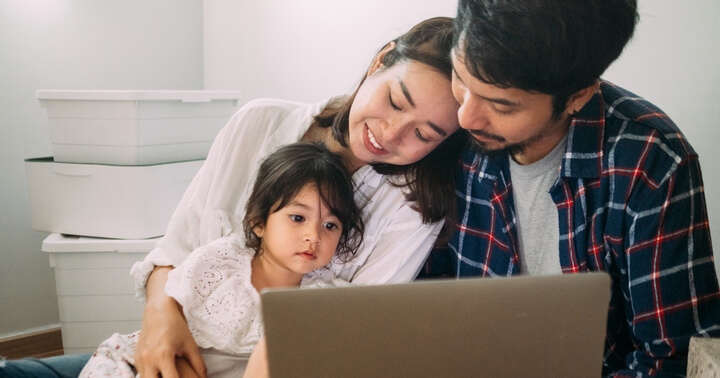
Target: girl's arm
(257,366)
(165,334)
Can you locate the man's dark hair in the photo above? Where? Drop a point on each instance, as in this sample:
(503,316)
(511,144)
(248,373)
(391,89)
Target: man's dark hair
(555,47)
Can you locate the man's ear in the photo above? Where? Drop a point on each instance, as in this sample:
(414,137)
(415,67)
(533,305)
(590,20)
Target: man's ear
(377,62)
(578,99)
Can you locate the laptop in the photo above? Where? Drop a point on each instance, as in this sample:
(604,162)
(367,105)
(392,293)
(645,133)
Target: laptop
(540,326)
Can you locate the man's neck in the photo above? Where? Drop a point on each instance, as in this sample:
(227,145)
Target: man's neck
(543,146)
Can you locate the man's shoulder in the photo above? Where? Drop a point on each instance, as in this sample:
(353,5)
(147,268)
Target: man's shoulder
(630,118)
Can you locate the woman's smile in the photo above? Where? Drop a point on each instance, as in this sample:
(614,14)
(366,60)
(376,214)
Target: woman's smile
(371,143)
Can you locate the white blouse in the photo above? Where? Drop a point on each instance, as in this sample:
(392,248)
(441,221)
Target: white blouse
(220,303)
(395,244)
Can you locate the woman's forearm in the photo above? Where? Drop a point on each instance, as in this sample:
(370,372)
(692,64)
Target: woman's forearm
(155,290)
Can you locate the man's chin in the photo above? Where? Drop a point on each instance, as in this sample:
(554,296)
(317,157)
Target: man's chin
(482,148)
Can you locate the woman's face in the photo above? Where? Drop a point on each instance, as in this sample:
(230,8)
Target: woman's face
(401,113)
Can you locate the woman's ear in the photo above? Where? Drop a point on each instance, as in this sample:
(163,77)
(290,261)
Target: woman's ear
(578,99)
(377,62)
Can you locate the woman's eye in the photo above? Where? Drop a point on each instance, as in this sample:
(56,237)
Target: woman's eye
(331,226)
(390,100)
(297,218)
(421,137)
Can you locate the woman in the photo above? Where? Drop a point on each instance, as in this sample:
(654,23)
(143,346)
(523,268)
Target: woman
(402,119)
(398,133)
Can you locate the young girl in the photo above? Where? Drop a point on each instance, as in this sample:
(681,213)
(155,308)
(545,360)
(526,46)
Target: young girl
(299,215)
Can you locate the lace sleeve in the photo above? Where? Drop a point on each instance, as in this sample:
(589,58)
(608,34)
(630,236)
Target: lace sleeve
(220,304)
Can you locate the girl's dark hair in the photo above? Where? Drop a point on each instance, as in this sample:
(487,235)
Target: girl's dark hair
(555,47)
(285,172)
(430,182)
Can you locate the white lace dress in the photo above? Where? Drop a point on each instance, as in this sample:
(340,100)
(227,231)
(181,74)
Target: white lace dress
(220,304)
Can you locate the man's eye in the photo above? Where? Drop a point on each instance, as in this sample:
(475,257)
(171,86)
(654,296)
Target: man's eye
(390,100)
(297,218)
(502,111)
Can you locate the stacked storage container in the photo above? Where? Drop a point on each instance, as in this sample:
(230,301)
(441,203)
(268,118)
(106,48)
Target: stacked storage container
(121,162)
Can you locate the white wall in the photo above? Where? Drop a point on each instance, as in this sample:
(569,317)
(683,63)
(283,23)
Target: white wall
(302,50)
(309,50)
(72,44)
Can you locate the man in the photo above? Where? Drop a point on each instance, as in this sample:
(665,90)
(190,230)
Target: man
(569,173)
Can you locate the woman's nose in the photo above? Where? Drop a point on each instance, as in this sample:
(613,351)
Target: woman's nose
(394,130)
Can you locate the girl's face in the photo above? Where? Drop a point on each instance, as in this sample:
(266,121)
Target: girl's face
(300,237)
(400,114)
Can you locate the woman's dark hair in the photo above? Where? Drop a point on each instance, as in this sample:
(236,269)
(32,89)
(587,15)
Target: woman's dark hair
(285,172)
(430,182)
(555,47)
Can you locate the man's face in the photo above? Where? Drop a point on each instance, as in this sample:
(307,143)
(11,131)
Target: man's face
(506,120)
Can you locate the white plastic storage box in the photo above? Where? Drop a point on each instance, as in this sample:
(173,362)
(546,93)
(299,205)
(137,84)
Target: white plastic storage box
(135,127)
(107,201)
(96,294)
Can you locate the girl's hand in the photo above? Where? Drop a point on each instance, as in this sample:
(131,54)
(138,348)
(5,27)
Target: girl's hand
(257,366)
(165,334)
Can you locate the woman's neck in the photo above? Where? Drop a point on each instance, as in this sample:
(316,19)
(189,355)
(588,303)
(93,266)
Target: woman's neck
(264,274)
(324,134)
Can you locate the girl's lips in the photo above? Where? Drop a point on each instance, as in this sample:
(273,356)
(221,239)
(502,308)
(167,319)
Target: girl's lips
(307,255)
(369,143)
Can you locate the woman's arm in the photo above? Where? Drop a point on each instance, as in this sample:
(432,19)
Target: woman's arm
(165,334)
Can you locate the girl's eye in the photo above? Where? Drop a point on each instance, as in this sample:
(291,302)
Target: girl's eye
(421,137)
(390,100)
(296,218)
(331,226)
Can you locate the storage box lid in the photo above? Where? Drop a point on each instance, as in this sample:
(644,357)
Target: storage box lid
(137,95)
(66,243)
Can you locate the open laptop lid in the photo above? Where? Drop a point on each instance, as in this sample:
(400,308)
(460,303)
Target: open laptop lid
(504,327)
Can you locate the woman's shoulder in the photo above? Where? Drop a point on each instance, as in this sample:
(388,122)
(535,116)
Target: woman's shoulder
(278,108)
(266,115)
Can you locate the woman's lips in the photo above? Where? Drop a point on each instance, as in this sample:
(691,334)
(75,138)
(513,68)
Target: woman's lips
(371,144)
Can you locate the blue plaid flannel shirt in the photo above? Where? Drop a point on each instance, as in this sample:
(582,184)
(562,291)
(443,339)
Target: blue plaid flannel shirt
(630,202)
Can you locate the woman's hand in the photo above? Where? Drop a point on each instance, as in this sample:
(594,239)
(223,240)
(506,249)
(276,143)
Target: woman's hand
(257,366)
(165,334)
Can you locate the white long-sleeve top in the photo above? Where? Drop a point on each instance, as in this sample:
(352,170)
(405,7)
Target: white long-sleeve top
(395,244)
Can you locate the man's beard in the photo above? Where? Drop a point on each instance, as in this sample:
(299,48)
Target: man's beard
(512,149)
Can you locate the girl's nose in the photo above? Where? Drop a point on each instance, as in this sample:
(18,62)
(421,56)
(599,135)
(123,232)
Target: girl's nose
(312,235)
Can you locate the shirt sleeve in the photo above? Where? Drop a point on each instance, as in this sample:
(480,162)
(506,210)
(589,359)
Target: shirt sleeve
(213,204)
(669,282)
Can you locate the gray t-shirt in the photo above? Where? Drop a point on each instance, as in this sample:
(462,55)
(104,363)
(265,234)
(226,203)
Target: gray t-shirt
(537,217)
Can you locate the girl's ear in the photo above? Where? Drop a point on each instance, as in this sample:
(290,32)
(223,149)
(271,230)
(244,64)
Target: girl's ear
(377,62)
(259,230)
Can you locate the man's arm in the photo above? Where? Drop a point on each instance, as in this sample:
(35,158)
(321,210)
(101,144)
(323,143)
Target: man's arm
(671,283)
